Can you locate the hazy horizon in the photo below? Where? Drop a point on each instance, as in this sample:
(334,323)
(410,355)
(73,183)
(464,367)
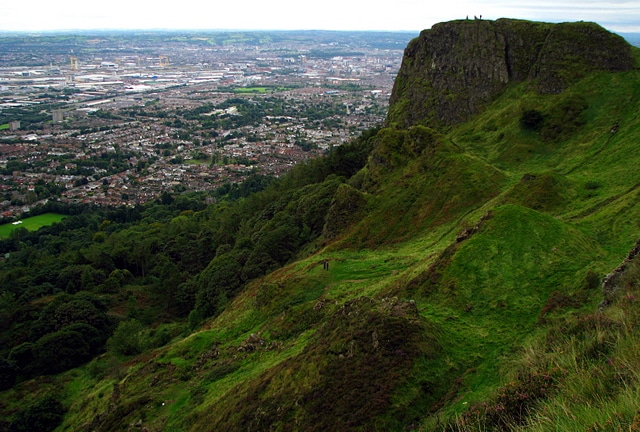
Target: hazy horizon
(76,15)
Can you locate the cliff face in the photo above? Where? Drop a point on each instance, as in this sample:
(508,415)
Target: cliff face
(452,70)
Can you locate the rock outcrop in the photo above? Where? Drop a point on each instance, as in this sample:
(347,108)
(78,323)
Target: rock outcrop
(454,69)
(611,282)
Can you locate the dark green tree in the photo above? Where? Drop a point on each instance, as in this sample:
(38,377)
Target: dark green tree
(60,351)
(8,374)
(127,338)
(43,416)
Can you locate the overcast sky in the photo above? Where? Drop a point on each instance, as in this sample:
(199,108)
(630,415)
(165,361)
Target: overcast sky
(615,15)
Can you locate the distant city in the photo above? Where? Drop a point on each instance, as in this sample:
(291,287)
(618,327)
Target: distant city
(119,118)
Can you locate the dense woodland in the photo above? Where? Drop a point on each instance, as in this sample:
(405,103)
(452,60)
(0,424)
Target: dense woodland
(67,288)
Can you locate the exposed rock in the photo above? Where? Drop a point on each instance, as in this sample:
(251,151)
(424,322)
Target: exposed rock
(211,354)
(610,281)
(375,340)
(453,70)
(469,231)
(320,304)
(115,397)
(252,343)
(399,308)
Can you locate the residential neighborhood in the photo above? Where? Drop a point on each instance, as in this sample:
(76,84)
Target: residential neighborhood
(108,127)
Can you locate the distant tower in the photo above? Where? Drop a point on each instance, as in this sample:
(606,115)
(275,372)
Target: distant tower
(163,60)
(14,125)
(58,116)
(73,63)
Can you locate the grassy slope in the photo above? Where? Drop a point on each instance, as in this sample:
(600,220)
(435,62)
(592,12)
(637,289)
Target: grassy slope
(479,300)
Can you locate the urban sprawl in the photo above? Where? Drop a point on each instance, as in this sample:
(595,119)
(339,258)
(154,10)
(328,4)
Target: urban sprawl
(118,120)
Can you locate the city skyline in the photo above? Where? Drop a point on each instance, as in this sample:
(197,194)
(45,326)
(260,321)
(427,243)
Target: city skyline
(616,15)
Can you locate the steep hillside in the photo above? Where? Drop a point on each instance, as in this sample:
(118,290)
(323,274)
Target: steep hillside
(454,69)
(452,283)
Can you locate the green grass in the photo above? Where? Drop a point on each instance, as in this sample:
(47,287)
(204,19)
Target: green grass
(250,90)
(242,90)
(197,161)
(32,224)
(495,311)
(4,126)
(593,361)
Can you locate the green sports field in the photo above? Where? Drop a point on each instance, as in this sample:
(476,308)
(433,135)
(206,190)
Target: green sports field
(31,224)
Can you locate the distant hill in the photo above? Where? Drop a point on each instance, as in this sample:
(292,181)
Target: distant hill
(472,265)
(633,38)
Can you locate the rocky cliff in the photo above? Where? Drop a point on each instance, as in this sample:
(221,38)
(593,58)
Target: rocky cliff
(454,69)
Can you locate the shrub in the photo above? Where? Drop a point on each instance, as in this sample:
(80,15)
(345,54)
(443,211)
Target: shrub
(592,185)
(90,334)
(43,416)
(346,208)
(60,351)
(21,356)
(559,300)
(592,280)
(514,402)
(127,339)
(7,374)
(531,120)
(564,118)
